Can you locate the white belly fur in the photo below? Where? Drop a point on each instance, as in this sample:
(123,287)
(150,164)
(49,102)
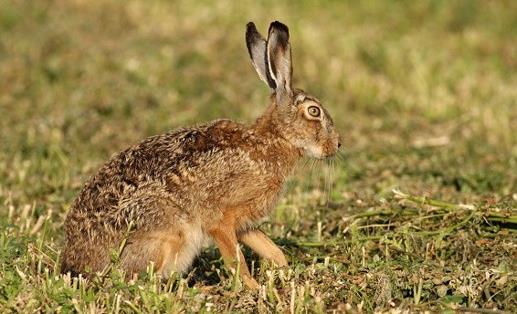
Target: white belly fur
(195,240)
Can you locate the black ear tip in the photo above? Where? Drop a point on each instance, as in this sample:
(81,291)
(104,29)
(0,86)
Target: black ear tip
(251,30)
(250,26)
(252,34)
(279,26)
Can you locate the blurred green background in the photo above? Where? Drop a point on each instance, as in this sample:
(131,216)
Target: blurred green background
(424,93)
(81,80)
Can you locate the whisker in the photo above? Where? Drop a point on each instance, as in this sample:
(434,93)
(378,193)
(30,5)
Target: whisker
(328,179)
(312,174)
(303,165)
(336,165)
(305,176)
(319,174)
(325,186)
(327,182)
(306,182)
(340,156)
(316,178)
(330,171)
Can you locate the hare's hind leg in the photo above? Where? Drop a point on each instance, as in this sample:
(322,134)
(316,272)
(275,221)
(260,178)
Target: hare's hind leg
(162,235)
(158,247)
(180,249)
(172,249)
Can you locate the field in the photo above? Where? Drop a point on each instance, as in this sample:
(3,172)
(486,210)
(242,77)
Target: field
(419,211)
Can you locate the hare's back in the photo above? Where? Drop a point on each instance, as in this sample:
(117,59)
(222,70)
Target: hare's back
(168,164)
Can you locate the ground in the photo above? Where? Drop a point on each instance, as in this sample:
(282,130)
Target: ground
(417,213)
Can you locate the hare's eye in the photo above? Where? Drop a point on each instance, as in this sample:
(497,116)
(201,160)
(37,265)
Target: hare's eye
(313,111)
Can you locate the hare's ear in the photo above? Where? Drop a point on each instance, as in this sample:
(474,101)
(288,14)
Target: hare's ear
(278,52)
(257,49)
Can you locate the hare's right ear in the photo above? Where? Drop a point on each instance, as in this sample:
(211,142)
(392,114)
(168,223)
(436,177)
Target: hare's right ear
(278,51)
(257,49)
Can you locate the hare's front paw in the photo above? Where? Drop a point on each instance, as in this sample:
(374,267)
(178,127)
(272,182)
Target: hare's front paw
(279,259)
(250,282)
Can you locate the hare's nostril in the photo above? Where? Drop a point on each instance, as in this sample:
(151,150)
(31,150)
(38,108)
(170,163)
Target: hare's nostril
(338,144)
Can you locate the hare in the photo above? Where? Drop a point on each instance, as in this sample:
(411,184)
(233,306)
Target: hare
(214,182)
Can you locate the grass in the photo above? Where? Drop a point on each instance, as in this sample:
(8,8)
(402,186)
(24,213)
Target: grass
(419,215)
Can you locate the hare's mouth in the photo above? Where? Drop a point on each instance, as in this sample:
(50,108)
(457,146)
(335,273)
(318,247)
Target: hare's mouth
(317,152)
(321,152)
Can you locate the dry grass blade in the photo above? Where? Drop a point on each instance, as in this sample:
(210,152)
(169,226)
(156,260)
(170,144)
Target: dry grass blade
(490,215)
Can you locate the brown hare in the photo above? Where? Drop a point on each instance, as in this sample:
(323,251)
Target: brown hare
(210,182)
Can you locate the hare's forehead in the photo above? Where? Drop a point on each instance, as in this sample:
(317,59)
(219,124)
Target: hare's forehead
(302,98)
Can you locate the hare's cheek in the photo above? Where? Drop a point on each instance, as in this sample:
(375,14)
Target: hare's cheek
(314,151)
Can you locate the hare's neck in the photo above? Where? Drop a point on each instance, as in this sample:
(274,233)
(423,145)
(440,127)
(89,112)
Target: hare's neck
(268,124)
(279,149)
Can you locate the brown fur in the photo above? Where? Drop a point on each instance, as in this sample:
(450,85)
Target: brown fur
(214,181)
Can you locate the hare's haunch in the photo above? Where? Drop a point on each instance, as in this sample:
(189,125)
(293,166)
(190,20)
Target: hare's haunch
(179,190)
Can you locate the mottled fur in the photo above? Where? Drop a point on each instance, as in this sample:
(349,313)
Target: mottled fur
(211,182)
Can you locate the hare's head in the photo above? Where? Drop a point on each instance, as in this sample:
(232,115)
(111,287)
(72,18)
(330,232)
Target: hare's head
(299,117)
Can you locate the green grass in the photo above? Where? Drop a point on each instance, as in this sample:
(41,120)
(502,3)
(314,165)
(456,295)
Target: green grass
(423,92)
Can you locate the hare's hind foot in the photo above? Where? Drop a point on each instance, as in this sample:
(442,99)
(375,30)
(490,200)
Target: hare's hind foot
(169,251)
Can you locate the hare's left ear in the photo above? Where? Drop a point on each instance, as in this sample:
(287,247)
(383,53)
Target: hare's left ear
(278,52)
(257,49)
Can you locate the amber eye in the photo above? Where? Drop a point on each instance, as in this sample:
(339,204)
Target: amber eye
(313,111)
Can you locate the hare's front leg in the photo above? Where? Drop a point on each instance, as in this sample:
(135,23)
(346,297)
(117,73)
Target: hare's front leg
(259,242)
(226,241)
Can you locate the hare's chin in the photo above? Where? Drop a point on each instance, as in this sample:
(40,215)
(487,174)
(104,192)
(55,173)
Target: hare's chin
(314,152)
(317,152)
